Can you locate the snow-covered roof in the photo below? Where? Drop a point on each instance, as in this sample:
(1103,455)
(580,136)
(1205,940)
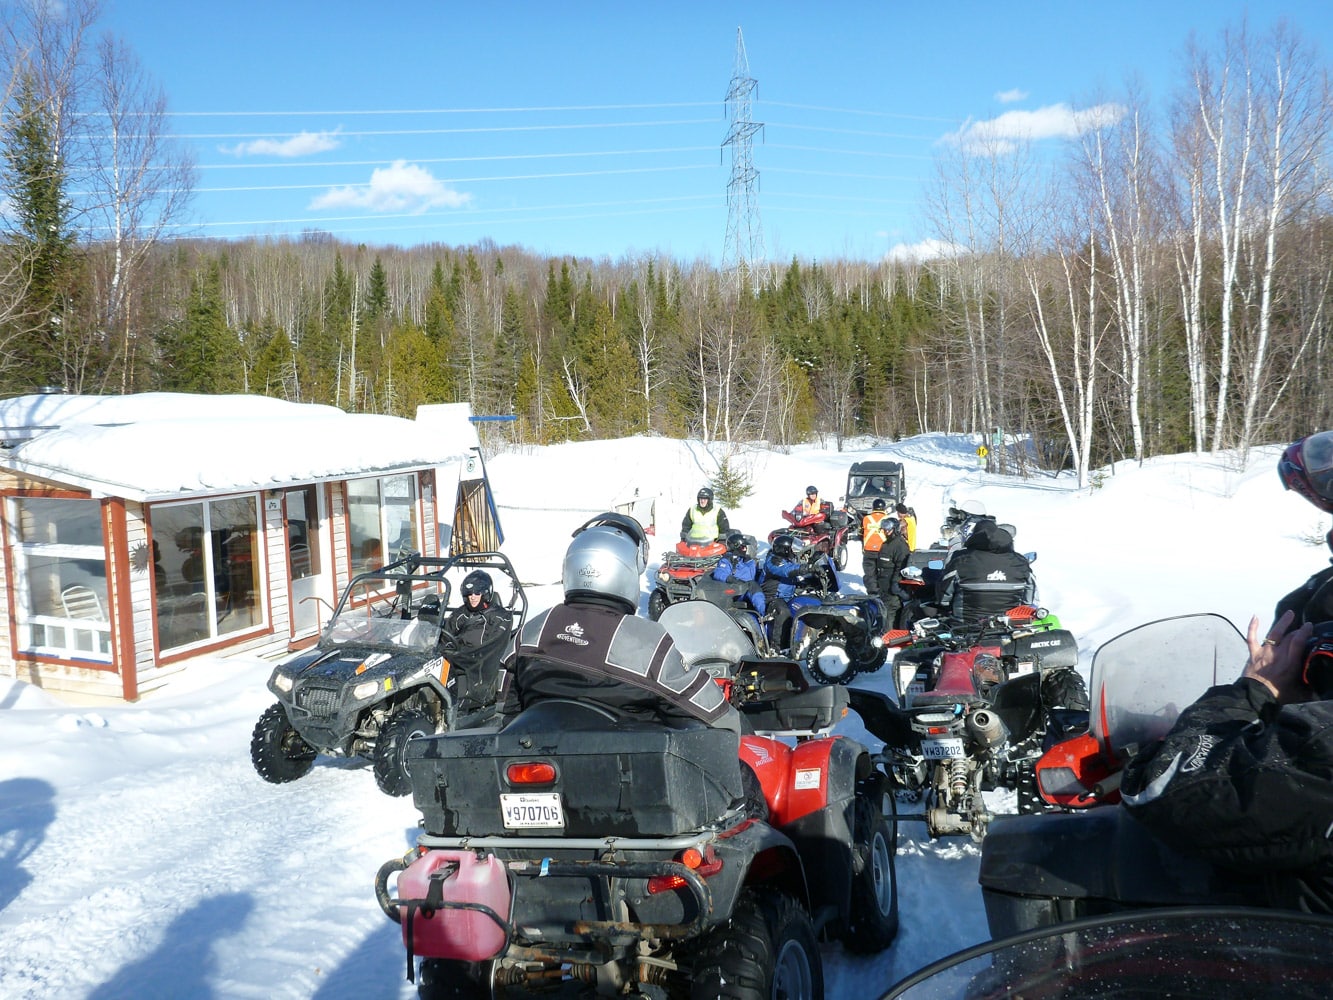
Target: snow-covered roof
(159,446)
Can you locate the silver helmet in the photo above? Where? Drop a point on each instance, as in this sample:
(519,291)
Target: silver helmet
(606,558)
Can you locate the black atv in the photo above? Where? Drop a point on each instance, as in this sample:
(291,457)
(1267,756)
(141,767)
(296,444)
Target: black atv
(576,850)
(387,669)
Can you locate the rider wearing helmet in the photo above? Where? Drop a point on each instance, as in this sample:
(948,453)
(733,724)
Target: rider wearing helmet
(473,637)
(592,646)
(781,573)
(738,566)
(810,505)
(892,556)
(704,522)
(1243,779)
(1307,468)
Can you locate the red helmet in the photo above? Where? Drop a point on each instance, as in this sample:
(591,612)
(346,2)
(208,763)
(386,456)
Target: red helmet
(1307,467)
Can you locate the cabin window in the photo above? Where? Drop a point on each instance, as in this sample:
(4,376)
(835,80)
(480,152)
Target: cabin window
(60,590)
(207,579)
(382,520)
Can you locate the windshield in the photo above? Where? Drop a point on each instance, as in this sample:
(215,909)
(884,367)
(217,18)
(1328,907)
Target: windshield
(371,614)
(355,627)
(705,634)
(1218,953)
(1143,678)
(867,485)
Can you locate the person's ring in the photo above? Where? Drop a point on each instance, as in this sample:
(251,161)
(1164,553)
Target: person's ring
(1270,641)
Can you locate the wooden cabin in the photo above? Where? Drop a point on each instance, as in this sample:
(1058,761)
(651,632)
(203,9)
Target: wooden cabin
(141,531)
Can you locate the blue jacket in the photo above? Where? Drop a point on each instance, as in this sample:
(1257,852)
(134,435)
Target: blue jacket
(731,568)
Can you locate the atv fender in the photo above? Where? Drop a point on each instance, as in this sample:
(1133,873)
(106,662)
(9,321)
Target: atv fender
(763,856)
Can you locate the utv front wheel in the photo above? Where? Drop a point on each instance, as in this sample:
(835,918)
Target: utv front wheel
(277,750)
(767,950)
(391,751)
(873,921)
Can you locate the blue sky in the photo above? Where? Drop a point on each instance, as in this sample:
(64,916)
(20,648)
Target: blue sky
(596,129)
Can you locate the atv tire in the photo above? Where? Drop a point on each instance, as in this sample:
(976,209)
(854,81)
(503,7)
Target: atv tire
(840,557)
(828,661)
(872,923)
(447,979)
(657,603)
(767,949)
(277,750)
(391,750)
(871,659)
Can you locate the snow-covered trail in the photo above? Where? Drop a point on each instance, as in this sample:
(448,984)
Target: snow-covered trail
(197,878)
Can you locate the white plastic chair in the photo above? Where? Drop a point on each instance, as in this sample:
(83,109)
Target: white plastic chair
(82,602)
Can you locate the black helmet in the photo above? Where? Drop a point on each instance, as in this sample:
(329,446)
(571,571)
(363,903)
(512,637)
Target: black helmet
(736,543)
(478,582)
(812,491)
(879,505)
(889,526)
(784,546)
(705,493)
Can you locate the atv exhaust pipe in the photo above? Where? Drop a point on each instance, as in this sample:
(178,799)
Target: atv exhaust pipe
(986,727)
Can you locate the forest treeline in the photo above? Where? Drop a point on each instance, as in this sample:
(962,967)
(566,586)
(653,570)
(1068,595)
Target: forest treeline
(1154,286)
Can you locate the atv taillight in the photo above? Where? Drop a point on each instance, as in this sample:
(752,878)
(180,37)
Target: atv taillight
(530,773)
(705,863)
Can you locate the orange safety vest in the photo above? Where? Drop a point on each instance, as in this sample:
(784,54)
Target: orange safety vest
(872,539)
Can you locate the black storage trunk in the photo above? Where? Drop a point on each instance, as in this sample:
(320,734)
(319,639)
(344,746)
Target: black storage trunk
(617,780)
(1054,649)
(811,710)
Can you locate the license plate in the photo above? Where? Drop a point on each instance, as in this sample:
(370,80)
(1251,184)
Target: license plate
(942,749)
(532,810)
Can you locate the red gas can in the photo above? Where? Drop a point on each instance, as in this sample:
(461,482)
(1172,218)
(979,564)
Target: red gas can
(445,932)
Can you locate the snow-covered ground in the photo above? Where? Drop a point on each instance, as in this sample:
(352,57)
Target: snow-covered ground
(141,856)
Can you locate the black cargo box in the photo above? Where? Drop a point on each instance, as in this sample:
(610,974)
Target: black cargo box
(620,779)
(812,710)
(1053,649)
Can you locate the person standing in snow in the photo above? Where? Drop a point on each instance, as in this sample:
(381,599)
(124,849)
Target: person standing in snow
(892,556)
(704,522)
(908,520)
(872,538)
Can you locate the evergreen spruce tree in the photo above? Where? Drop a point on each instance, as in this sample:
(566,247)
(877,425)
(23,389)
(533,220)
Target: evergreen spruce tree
(41,244)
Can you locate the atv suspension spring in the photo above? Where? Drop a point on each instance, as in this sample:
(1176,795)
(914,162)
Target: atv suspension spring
(958,778)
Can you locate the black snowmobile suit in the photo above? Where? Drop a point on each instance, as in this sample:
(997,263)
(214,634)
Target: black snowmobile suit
(989,573)
(1312,601)
(1248,786)
(591,649)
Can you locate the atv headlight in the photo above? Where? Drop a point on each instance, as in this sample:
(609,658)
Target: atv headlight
(282,682)
(663,577)
(365,689)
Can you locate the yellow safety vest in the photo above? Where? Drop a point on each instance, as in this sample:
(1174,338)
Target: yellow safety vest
(703,524)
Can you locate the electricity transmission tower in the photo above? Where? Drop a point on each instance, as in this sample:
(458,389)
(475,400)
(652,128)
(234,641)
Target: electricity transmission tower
(744,262)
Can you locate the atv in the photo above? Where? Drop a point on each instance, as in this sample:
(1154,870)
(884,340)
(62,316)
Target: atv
(682,569)
(826,532)
(386,670)
(572,849)
(871,481)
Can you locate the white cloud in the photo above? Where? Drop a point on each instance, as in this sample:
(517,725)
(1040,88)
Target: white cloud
(303,144)
(397,188)
(908,253)
(1010,96)
(1055,121)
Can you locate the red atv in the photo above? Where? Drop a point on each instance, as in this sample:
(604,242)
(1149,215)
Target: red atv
(679,570)
(569,849)
(825,532)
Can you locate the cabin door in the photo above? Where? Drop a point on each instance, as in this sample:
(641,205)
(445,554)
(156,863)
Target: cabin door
(306,562)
